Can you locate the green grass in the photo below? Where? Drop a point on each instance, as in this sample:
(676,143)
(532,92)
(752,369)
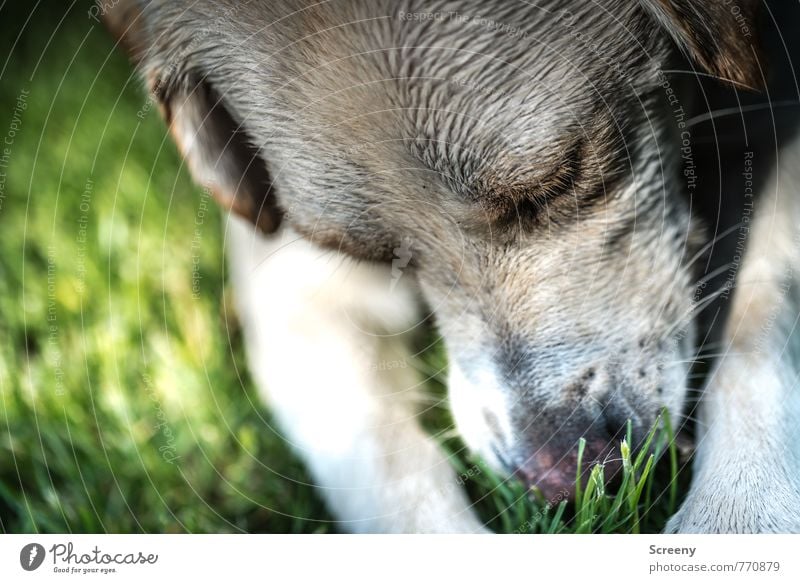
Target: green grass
(110,365)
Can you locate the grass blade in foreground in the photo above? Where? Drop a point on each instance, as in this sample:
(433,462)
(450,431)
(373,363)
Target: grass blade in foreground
(644,498)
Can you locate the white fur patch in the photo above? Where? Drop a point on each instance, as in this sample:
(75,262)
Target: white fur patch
(318,328)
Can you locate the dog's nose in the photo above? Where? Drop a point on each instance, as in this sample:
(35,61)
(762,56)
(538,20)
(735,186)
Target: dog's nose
(552,467)
(555,471)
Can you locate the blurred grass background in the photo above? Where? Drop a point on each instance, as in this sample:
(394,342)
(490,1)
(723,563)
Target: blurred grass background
(109,365)
(125,404)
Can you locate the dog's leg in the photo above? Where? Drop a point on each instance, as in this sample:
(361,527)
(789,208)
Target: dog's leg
(325,344)
(747,470)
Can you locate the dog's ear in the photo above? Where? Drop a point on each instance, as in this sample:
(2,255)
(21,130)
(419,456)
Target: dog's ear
(218,151)
(719,35)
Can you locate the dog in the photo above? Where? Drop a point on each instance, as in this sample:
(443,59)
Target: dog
(519,170)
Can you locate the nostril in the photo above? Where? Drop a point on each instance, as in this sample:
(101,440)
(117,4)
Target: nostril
(613,427)
(616,414)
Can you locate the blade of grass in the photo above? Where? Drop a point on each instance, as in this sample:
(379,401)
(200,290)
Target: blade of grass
(555,523)
(673,462)
(578,489)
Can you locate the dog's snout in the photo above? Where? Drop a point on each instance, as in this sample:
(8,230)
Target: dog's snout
(554,470)
(552,466)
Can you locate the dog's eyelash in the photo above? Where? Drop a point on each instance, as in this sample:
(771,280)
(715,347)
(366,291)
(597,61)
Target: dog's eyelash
(530,203)
(564,178)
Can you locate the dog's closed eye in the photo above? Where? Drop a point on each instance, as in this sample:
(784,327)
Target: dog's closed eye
(582,179)
(529,203)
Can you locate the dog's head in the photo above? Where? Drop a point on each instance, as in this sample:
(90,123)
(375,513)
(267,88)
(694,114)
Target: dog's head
(523,158)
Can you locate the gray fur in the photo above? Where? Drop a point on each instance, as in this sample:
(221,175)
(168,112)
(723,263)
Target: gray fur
(519,150)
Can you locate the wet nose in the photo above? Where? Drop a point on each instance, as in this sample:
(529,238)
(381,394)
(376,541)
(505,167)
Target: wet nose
(554,470)
(552,466)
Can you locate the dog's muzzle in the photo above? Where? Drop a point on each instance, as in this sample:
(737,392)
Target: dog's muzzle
(547,457)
